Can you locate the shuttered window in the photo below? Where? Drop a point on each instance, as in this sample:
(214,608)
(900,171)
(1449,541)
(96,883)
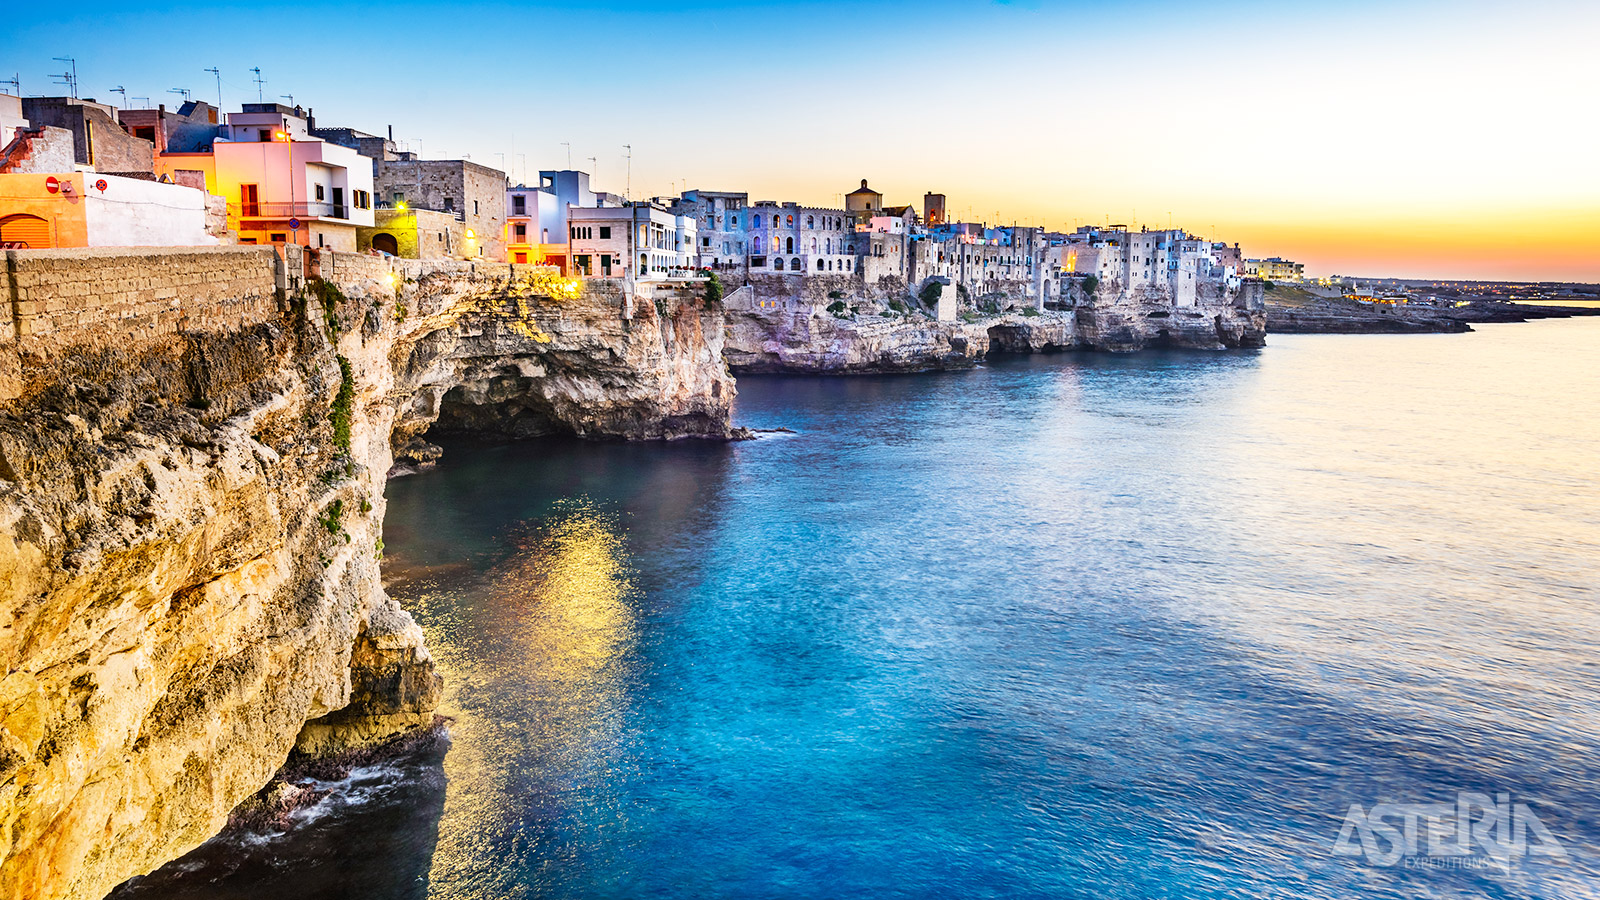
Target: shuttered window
(25,231)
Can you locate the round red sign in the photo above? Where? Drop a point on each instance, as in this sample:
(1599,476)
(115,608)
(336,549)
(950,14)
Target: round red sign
(52,184)
(100,185)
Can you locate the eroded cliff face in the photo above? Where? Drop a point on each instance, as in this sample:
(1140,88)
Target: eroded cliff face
(190,534)
(1116,319)
(805,338)
(772,331)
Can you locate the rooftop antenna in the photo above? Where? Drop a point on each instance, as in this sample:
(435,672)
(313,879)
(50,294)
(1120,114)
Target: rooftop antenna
(524,158)
(502,161)
(217,72)
(593,164)
(15,82)
(568,145)
(627,192)
(119,89)
(259,82)
(183,91)
(69,77)
(145,99)
(288,97)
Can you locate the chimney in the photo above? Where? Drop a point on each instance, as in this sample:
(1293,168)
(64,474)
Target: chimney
(391,132)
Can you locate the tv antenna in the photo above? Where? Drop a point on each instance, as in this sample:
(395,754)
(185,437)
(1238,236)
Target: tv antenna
(593,165)
(568,145)
(217,72)
(119,89)
(259,82)
(145,99)
(69,77)
(15,82)
(183,91)
(627,192)
(288,97)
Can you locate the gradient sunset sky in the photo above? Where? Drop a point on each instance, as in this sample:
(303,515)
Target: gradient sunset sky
(1441,140)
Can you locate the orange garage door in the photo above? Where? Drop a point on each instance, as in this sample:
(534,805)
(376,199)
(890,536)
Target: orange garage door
(25,232)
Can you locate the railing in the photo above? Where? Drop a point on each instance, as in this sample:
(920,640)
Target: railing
(290,210)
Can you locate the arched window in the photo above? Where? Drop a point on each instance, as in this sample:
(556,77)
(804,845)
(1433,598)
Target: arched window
(810,222)
(819,265)
(790,217)
(777,263)
(788,245)
(755,245)
(827,246)
(794,264)
(775,222)
(813,245)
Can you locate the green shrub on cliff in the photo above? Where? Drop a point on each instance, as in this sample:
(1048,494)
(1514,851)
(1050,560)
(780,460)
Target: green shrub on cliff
(342,403)
(839,309)
(330,297)
(713,289)
(931,292)
(1090,285)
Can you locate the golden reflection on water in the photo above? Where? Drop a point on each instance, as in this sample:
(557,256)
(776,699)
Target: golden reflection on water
(553,637)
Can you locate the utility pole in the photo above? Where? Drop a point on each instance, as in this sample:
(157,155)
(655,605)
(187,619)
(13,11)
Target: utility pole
(259,82)
(217,72)
(627,192)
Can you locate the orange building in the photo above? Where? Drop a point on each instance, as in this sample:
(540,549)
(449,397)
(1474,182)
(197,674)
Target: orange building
(83,209)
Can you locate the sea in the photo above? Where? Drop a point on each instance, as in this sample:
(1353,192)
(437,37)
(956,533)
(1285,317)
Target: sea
(1315,621)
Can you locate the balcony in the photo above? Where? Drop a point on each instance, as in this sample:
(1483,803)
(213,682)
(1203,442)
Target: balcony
(306,210)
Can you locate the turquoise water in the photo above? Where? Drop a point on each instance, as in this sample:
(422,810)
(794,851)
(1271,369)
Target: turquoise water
(1064,626)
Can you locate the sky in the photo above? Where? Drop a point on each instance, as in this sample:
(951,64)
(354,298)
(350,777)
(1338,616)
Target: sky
(1427,140)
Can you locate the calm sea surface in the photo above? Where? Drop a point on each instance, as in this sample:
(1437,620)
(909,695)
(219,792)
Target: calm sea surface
(1064,626)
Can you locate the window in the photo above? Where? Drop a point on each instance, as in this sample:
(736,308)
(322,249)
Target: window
(277,238)
(363,199)
(794,264)
(819,265)
(810,222)
(449,204)
(319,196)
(788,245)
(733,221)
(605,232)
(474,207)
(791,220)
(519,205)
(777,263)
(521,232)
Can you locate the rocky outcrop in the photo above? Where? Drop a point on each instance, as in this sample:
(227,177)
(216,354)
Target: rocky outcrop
(191,513)
(775,328)
(1294,312)
(1122,320)
(804,338)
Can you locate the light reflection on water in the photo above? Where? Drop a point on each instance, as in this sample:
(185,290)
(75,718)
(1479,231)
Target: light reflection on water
(550,629)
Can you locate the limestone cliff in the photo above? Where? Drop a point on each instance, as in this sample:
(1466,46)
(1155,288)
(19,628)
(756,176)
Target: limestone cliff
(774,326)
(193,448)
(791,338)
(1220,318)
